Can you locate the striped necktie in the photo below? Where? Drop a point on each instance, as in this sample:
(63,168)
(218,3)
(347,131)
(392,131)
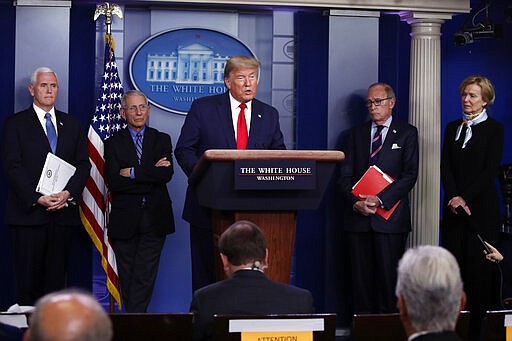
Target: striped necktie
(138,149)
(138,146)
(376,145)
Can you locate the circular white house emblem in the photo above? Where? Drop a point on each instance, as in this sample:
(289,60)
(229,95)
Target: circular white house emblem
(175,67)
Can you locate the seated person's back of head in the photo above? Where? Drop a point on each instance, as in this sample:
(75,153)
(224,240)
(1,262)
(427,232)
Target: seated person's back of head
(430,292)
(247,290)
(69,315)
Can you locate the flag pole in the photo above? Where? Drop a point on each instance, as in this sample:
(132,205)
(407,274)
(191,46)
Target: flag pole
(108,10)
(95,207)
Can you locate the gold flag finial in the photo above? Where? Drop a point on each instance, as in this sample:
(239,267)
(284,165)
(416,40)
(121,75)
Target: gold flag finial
(108,10)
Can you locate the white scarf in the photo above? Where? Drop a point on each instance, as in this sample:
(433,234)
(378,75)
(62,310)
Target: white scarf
(470,120)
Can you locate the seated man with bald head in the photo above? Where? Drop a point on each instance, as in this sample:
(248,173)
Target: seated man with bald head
(69,316)
(244,254)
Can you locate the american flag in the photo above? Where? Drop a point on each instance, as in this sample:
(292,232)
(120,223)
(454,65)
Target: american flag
(95,202)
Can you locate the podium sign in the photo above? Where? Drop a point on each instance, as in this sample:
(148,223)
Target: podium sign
(275,174)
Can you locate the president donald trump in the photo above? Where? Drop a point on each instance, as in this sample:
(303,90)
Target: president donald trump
(232,120)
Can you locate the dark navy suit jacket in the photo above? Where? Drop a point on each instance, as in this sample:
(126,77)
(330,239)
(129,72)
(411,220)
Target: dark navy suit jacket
(398,158)
(246,292)
(209,125)
(149,183)
(441,336)
(24,150)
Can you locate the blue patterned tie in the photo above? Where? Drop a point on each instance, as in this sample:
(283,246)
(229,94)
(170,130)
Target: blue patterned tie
(138,149)
(138,146)
(376,145)
(50,132)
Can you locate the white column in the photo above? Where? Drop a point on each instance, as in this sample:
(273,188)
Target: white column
(425,114)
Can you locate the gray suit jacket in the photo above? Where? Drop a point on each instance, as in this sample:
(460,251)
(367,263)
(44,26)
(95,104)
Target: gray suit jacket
(443,336)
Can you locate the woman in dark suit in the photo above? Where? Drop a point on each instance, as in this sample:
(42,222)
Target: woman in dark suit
(470,162)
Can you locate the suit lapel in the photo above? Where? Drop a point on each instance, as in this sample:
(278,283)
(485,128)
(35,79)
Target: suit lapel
(256,122)
(365,139)
(147,143)
(128,145)
(36,126)
(391,137)
(60,129)
(226,121)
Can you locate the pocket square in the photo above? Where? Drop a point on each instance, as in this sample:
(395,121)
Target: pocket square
(395,146)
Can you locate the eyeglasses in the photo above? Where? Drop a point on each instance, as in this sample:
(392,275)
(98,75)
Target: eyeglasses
(133,108)
(376,102)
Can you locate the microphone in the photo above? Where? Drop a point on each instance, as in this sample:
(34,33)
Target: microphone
(472,226)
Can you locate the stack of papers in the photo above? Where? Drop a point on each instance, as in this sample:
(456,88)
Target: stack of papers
(373,182)
(16,315)
(55,175)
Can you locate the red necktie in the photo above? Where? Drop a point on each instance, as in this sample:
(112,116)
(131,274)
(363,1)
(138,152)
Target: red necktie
(241,135)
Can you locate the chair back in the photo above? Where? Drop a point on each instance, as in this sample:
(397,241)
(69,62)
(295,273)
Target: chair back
(369,327)
(493,327)
(152,326)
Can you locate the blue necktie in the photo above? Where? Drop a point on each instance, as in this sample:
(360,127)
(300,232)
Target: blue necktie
(51,133)
(376,145)
(138,149)
(138,146)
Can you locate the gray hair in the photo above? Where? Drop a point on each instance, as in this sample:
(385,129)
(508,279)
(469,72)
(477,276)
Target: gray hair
(132,93)
(429,282)
(39,70)
(90,321)
(388,88)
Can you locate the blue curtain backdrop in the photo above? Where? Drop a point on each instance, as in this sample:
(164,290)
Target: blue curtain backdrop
(312,29)
(81,104)
(7,36)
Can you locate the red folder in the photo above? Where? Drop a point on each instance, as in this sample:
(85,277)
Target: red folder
(373,182)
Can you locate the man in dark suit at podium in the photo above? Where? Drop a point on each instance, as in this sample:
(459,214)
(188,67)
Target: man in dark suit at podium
(42,225)
(376,244)
(233,120)
(244,254)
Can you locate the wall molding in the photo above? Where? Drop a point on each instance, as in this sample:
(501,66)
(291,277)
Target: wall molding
(42,3)
(452,6)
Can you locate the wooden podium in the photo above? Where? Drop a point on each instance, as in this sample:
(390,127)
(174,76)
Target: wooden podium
(270,199)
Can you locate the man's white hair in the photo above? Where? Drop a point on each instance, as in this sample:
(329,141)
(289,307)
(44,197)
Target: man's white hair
(39,70)
(431,286)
